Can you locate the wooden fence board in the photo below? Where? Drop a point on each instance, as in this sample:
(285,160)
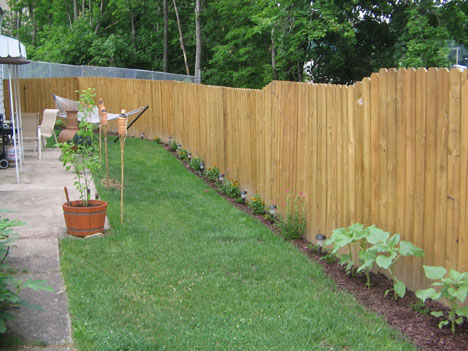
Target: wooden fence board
(462,263)
(331,159)
(453,169)
(375,148)
(359,165)
(409,117)
(383,195)
(391,90)
(419,195)
(321,200)
(441,167)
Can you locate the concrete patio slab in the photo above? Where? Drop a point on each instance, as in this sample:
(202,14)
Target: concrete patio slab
(35,255)
(37,200)
(51,325)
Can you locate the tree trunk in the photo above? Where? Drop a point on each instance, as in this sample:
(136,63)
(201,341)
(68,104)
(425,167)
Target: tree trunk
(82,7)
(273,55)
(101,12)
(75,10)
(132,19)
(165,36)
(198,47)
(19,18)
(90,7)
(31,14)
(181,38)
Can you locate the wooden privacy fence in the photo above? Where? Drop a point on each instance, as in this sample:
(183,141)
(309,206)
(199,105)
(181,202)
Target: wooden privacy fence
(391,150)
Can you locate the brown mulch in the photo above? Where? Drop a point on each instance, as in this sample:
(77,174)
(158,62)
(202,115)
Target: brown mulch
(420,328)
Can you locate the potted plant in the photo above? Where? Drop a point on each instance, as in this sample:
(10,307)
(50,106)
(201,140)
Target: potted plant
(85,216)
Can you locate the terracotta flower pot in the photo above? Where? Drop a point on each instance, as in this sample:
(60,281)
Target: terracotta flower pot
(71,126)
(83,221)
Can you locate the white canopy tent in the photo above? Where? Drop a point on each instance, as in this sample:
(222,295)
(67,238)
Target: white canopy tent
(13,53)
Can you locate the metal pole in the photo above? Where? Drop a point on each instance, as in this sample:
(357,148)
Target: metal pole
(19,117)
(13,123)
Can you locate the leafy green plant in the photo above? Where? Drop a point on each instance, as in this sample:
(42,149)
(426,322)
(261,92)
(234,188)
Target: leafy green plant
(10,286)
(269,217)
(329,258)
(212,173)
(182,154)
(157,140)
(257,205)
(230,187)
(354,235)
(419,307)
(78,154)
(173,145)
(292,223)
(389,250)
(453,288)
(59,124)
(195,163)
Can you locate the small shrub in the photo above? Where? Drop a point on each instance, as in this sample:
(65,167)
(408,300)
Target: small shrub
(389,249)
(173,145)
(157,140)
(195,163)
(330,258)
(257,205)
(59,124)
(10,287)
(354,235)
(182,154)
(419,307)
(230,187)
(453,287)
(269,217)
(212,173)
(292,223)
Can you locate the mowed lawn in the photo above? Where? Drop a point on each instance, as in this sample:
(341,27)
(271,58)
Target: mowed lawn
(188,271)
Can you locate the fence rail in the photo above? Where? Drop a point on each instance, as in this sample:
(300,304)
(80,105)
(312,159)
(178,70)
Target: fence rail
(391,150)
(38,69)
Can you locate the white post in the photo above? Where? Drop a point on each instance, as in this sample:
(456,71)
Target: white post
(19,119)
(13,123)
(39,142)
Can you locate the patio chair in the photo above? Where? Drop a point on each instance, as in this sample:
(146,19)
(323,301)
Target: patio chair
(30,123)
(46,129)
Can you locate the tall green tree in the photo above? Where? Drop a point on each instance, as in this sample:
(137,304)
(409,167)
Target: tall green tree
(245,43)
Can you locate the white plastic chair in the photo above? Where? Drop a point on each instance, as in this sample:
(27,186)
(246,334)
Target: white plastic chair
(30,122)
(46,128)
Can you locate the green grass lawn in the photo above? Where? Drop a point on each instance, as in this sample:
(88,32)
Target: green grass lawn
(188,271)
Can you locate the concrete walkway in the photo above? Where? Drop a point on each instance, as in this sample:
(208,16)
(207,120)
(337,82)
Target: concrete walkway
(37,200)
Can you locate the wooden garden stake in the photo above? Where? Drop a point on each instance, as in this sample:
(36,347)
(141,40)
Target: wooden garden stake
(122,123)
(104,125)
(100,108)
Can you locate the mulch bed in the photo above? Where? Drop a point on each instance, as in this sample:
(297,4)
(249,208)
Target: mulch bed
(420,328)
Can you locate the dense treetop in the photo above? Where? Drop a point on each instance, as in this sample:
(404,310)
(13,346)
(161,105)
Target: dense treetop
(245,43)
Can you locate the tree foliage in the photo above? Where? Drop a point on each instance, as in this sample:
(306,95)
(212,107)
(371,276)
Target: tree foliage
(246,43)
